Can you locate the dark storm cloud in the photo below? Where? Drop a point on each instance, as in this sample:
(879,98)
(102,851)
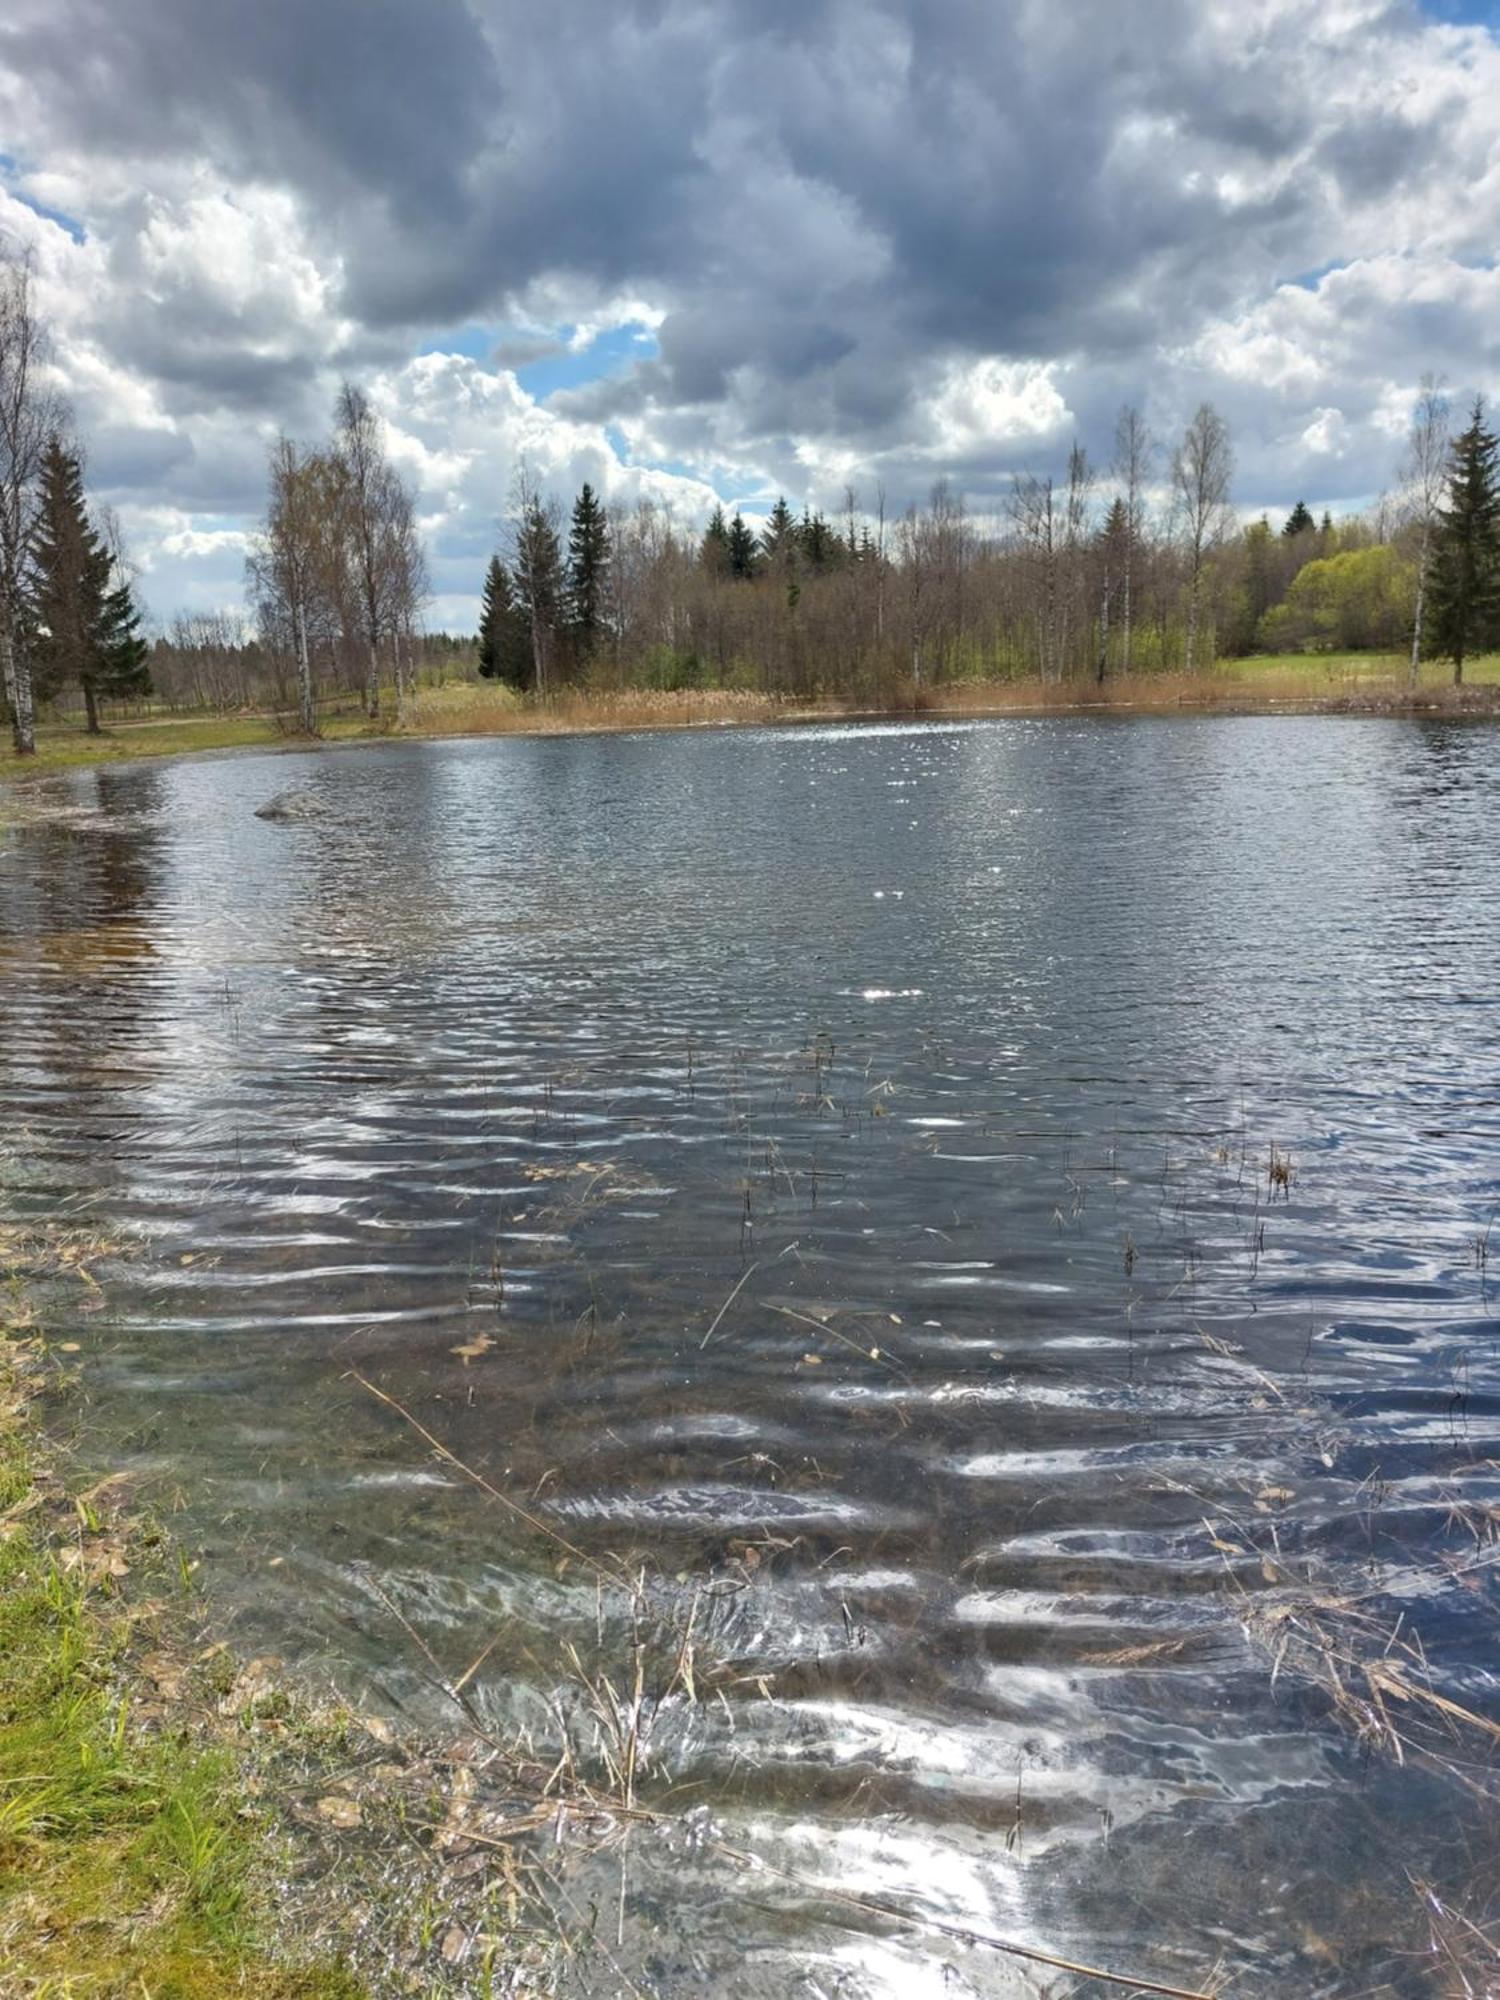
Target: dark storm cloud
(833,204)
(339,97)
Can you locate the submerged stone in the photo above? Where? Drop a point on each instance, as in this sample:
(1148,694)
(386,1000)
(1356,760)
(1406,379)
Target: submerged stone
(292,805)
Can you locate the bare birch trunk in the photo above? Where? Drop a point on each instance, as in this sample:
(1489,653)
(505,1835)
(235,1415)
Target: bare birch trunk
(16,674)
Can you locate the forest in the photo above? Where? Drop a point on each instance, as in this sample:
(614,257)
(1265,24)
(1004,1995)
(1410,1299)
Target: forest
(1142,565)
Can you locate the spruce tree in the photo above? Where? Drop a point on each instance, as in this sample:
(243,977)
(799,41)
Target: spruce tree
(742,548)
(778,538)
(1299,522)
(125,656)
(504,642)
(539,581)
(713,551)
(87,633)
(588,570)
(1465,584)
(819,543)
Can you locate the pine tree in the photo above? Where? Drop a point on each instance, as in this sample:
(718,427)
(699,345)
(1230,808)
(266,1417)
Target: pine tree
(588,570)
(86,632)
(1299,522)
(1465,585)
(713,551)
(504,642)
(743,551)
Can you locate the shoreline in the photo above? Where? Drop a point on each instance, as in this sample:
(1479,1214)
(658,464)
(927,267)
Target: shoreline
(462,712)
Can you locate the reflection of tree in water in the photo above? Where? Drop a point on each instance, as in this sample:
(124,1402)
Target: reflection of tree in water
(79,909)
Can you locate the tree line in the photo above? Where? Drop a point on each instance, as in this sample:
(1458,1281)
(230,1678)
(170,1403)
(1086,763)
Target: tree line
(1144,566)
(1140,565)
(68,616)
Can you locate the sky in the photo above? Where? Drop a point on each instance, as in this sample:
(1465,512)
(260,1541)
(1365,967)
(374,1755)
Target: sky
(689,249)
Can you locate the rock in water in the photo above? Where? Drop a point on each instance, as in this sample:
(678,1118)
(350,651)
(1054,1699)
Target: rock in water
(292,805)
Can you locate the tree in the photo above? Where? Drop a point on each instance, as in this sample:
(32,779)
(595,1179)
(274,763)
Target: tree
(588,569)
(1425,468)
(1114,557)
(289,560)
(1466,552)
(778,538)
(1134,450)
(1298,522)
(360,454)
(124,653)
(1202,467)
(713,551)
(87,629)
(29,415)
(741,549)
(538,572)
(504,640)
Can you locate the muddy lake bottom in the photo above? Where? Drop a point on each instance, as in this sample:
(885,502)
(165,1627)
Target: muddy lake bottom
(958,1252)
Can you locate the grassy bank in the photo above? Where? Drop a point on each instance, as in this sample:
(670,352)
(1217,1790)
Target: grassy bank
(178,1824)
(1359,682)
(132,1856)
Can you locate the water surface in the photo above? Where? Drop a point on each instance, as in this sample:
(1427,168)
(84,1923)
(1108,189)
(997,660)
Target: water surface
(833,1170)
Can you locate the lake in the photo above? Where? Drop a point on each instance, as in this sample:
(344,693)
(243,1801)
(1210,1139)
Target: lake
(986,1223)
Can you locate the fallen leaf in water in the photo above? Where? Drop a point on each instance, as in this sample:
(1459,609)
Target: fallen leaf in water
(812,1361)
(455,1945)
(69,1347)
(379,1728)
(472,1349)
(342,1813)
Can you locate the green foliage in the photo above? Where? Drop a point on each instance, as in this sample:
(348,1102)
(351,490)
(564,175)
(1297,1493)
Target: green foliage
(1344,603)
(1299,522)
(744,554)
(86,633)
(504,640)
(588,570)
(1464,588)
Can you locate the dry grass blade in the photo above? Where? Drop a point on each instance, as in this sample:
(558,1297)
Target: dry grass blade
(521,1513)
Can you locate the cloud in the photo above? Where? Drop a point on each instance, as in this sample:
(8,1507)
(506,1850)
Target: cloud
(863,242)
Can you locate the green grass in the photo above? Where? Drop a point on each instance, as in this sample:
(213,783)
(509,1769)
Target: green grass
(130,1859)
(1335,673)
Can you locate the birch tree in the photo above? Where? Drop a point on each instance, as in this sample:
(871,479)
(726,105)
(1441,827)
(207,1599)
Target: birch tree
(358,445)
(1202,467)
(29,416)
(286,562)
(1425,479)
(1132,469)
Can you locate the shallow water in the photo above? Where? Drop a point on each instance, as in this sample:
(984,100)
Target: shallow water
(845,1155)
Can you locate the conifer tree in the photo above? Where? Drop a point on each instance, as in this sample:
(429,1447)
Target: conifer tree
(778,538)
(742,548)
(1465,588)
(504,643)
(86,632)
(1299,522)
(588,569)
(539,583)
(713,551)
